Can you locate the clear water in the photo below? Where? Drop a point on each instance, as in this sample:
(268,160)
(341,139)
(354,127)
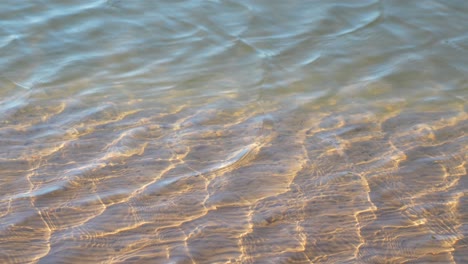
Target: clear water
(233,131)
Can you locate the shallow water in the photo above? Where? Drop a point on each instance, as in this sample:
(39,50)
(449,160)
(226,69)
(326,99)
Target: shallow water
(233,131)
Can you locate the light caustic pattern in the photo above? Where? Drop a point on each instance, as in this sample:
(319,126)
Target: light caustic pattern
(233,131)
(195,184)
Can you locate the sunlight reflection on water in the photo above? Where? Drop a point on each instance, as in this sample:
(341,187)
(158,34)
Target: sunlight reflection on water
(233,132)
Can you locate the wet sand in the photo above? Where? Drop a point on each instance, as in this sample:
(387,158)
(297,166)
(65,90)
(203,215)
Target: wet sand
(233,132)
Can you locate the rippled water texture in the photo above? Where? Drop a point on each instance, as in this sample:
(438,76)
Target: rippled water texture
(233,131)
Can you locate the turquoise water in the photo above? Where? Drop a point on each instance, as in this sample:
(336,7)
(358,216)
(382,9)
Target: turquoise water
(233,131)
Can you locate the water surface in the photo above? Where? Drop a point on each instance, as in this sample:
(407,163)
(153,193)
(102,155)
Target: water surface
(233,131)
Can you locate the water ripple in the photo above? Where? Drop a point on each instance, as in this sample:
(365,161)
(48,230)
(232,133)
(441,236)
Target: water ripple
(233,131)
